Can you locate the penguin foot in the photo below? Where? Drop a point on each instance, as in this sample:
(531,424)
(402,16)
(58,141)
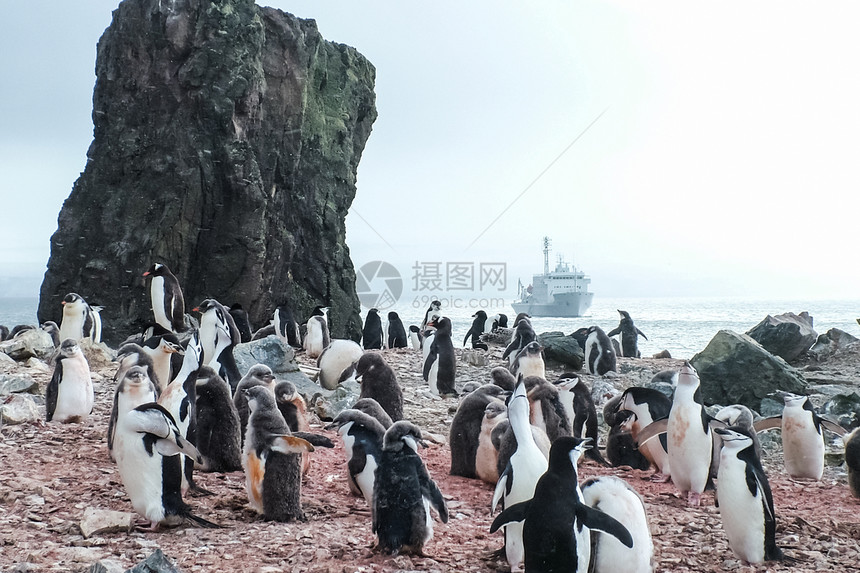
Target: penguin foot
(660,477)
(694,499)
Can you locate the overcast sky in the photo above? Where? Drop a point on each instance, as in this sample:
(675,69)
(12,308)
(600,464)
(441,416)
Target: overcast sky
(667,148)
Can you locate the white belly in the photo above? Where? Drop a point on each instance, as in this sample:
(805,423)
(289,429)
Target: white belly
(72,326)
(314,341)
(741,513)
(487,457)
(75,395)
(156,295)
(365,479)
(803,448)
(611,556)
(432,377)
(140,473)
(532,366)
(529,465)
(689,448)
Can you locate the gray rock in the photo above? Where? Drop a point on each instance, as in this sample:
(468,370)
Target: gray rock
(786,335)
(271,351)
(735,369)
(17,383)
(19,409)
(562,349)
(845,408)
(830,343)
(155,563)
(98,355)
(328,404)
(106,566)
(29,343)
(97,521)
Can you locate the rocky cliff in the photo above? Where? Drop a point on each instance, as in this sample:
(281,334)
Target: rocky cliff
(226,142)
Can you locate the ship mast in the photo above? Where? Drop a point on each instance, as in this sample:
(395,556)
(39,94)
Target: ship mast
(546,243)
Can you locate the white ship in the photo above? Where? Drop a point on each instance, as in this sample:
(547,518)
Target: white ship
(560,293)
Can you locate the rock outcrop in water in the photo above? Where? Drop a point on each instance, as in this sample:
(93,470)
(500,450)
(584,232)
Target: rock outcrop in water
(226,143)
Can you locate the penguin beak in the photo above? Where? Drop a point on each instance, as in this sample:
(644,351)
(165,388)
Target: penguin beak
(421,443)
(146,274)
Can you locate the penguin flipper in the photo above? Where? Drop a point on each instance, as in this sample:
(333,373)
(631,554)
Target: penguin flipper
(502,486)
(431,491)
(642,334)
(432,357)
(290,445)
(651,431)
(516,512)
(833,426)
(315,439)
(52,391)
(511,348)
(616,330)
(596,519)
(768,424)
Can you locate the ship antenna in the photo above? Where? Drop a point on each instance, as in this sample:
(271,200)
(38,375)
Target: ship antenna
(546,243)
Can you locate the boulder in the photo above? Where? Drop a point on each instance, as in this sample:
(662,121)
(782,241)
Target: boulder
(226,144)
(787,335)
(562,349)
(271,351)
(735,369)
(19,409)
(845,408)
(14,383)
(97,521)
(28,344)
(830,343)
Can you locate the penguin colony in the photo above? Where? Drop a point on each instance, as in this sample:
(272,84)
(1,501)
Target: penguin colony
(524,435)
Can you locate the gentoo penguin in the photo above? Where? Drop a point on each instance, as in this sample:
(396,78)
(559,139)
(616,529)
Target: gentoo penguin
(379,382)
(629,334)
(487,456)
(415,337)
(529,361)
(852,461)
(395,332)
(518,480)
(337,357)
(69,396)
(146,447)
(599,353)
(286,327)
(522,336)
(547,410)
(433,313)
(372,408)
(576,398)
(802,436)
(77,320)
(218,336)
(649,406)
(689,439)
(168,304)
(243,322)
(134,386)
(476,330)
(362,437)
(465,431)
(621,448)
(440,365)
(744,499)
(317,337)
(48,326)
(403,494)
(270,459)
(218,432)
(371,335)
(258,375)
(616,498)
(556,524)
(503,378)
(161,349)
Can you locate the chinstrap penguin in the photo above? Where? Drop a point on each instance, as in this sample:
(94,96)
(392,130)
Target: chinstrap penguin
(69,396)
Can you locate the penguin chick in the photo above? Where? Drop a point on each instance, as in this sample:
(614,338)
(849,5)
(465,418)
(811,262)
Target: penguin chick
(372,408)
(218,431)
(147,444)
(529,361)
(379,382)
(403,494)
(503,378)
(69,396)
(487,457)
(852,461)
(294,410)
(257,375)
(272,467)
(335,359)
(575,396)
(547,410)
(362,436)
(317,338)
(465,431)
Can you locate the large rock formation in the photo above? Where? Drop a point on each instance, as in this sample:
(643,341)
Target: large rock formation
(227,138)
(735,369)
(786,335)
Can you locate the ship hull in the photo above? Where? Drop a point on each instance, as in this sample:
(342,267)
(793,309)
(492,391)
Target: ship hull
(563,306)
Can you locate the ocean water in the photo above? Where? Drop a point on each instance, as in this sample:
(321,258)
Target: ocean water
(683,326)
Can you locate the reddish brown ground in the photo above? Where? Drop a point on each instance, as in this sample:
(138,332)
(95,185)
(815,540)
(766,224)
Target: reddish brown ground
(49,474)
